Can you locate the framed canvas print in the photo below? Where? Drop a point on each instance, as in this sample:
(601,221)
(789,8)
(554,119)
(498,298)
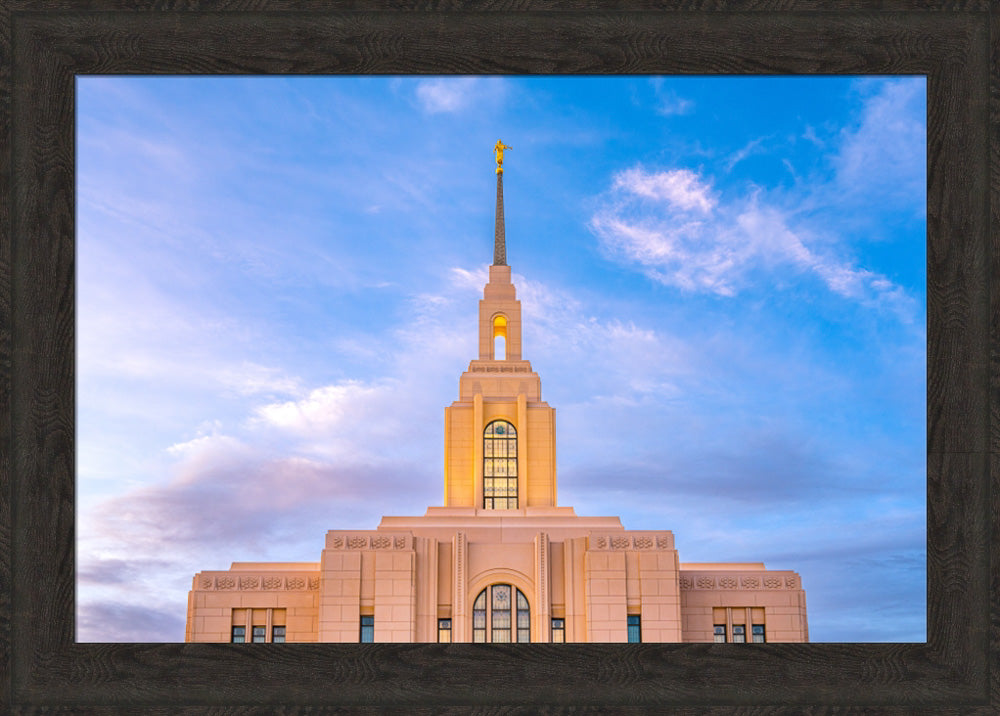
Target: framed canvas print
(238,303)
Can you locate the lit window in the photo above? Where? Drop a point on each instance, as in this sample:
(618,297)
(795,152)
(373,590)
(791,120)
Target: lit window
(444,631)
(509,618)
(239,635)
(758,633)
(558,631)
(500,466)
(278,634)
(500,338)
(720,633)
(259,634)
(367,630)
(634,629)
(739,634)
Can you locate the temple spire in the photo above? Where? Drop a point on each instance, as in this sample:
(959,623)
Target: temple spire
(499,238)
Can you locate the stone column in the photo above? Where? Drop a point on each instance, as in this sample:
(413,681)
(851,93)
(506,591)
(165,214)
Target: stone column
(543,606)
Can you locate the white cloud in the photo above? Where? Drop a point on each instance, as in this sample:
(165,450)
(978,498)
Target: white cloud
(884,156)
(681,188)
(454,94)
(675,229)
(668,102)
(750,148)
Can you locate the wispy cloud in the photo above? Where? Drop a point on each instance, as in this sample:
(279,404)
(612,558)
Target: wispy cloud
(754,146)
(883,156)
(668,102)
(454,94)
(671,225)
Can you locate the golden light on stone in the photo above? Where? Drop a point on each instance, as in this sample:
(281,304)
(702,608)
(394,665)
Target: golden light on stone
(500,560)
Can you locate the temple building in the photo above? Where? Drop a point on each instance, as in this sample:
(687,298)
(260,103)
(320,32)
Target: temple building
(501,560)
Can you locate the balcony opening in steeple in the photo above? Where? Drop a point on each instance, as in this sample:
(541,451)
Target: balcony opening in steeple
(499,337)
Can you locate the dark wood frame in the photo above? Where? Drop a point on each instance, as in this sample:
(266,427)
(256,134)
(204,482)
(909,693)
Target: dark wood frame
(45,43)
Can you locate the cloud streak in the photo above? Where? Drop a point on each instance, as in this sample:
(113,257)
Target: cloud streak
(670,225)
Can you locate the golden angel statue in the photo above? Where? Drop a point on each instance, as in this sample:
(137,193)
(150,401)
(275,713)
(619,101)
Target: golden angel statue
(498,149)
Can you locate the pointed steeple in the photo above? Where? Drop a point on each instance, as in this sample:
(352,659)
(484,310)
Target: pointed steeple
(499,239)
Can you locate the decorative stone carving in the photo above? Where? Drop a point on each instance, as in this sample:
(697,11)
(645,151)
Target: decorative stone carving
(728,582)
(619,542)
(686,583)
(357,542)
(706,582)
(772,582)
(295,583)
(750,583)
(602,542)
(400,543)
(643,542)
(249,582)
(225,583)
(272,582)
(206,582)
(338,542)
(381,542)
(663,542)
(791,582)
(314,582)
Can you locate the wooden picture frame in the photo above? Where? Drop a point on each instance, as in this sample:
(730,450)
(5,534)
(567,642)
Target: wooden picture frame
(47,43)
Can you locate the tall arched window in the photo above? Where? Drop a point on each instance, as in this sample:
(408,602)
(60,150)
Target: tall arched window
(506,619)
(500,466)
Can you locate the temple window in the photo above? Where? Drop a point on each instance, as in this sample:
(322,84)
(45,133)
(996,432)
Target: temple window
(367,629)
(634,629)
(508,618)
(500,466)
(444,631)
(558,631)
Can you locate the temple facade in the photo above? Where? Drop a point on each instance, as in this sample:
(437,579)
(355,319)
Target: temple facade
(500,560)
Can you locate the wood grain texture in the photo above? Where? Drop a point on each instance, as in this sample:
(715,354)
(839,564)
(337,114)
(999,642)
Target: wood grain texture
(50,42)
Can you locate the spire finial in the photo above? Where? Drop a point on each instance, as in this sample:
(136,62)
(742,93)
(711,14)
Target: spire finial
(498,150)
(499,240)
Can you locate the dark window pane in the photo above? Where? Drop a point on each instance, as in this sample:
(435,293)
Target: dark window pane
(239,634)
(634,629)
(259,634)
(739,634)
(278,634)
(758,633)
(367,630)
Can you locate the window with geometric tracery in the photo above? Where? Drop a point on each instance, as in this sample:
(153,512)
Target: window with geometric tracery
(507,619)
(500,466)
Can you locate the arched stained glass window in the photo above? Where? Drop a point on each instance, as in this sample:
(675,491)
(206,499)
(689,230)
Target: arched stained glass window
(506,619)
(500,466)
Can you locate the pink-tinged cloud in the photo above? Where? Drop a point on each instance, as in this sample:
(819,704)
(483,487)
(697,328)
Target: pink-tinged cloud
(671,227)
(681,188)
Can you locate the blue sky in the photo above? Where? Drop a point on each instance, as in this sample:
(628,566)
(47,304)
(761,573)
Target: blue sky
(722,282)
